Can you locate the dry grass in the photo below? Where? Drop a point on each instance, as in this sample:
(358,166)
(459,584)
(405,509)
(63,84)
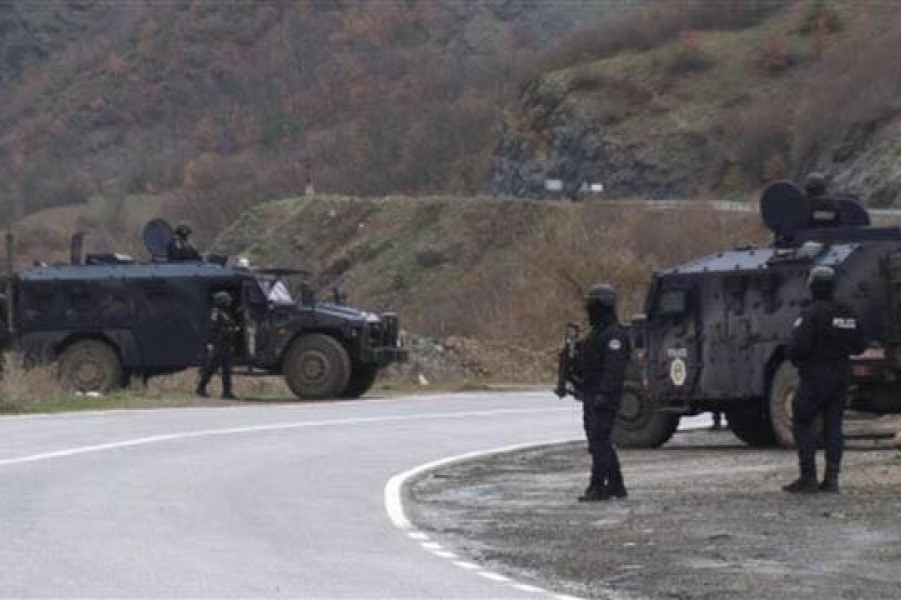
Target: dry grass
(26,390)
(595,243)
(179,386)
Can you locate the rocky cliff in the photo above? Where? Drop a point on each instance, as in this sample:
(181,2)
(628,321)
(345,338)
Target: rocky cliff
(716,109)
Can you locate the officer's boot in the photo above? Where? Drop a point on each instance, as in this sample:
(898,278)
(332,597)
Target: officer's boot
(616,488)
(830,479)
(595,490)
(201,387)
(227,381)
(806,483)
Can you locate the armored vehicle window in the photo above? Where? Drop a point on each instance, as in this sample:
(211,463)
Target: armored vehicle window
(254,293)
(671,302)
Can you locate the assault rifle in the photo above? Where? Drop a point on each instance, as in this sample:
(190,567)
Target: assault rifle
(569,380)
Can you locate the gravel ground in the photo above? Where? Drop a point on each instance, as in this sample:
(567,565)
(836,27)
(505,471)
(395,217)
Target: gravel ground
(705,518)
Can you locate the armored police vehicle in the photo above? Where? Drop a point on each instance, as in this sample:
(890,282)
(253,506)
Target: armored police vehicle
(715,330)
(111,318)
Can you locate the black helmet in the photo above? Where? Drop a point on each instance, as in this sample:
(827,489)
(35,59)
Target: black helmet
(183,229)
(821,281)
(815,183)
(601,294)
(222,299)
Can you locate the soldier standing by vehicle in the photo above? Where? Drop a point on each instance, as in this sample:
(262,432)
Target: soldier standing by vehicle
(180,248)
(604,354)
(824,337)
(220,346)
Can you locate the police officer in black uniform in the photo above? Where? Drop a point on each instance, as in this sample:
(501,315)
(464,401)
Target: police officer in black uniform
(823,208)
(823,338)
(180,249)
(220,345)
(604,354)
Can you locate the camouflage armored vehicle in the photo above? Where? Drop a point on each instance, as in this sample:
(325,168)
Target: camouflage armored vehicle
(715,330)
(111,319)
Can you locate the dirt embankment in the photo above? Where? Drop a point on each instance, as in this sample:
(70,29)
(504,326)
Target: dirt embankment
(705,519)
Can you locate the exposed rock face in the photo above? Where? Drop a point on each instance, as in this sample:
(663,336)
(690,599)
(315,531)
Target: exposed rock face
(867,162)
(714,113)
(550,139)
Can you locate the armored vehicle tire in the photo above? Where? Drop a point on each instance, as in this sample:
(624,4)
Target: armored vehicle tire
(782,394)
(361,380)
(751,427)
(317,366)
(90,366)
(640,424)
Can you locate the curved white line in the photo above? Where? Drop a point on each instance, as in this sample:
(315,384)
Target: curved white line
(395,507)
(394,488)
(168,437)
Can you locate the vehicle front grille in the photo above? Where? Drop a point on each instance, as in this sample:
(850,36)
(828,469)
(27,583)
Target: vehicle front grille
(390,327)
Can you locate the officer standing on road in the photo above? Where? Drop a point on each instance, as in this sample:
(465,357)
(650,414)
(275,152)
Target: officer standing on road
(823,338)
(220,346)
(604,354)
(180,249)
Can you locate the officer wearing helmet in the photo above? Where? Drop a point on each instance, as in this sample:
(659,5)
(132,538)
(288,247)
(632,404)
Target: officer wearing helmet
(824,336)
(220,345)
(180,249)
(823,208)
(604,354)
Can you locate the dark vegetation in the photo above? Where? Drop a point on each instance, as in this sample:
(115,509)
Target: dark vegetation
(652,27)
(218,105)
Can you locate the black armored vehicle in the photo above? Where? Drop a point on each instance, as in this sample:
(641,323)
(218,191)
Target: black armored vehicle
(107,319)
(715,330)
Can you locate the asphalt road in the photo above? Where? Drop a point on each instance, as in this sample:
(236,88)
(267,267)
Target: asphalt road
(258,501)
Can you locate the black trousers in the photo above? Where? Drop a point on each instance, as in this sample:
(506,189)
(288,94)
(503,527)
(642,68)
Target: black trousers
(819,395)
(217,359)
(598,418)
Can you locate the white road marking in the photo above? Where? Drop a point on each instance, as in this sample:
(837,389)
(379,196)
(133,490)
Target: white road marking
(393,489)
(395,508)
(169,437)
(494,576)
(525,587)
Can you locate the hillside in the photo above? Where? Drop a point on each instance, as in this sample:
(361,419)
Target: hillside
(216,105)
(499,270)
(714,99)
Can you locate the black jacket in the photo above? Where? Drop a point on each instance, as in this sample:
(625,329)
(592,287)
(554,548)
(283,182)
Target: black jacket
(605,353)
(223,329)
(824,337)
(180,249)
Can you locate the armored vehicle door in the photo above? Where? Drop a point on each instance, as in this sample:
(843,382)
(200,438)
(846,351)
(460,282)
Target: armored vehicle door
(257,330)
(673,342)
(170,316)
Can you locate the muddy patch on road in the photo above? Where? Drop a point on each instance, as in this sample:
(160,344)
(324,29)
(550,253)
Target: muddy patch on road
(705,518)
